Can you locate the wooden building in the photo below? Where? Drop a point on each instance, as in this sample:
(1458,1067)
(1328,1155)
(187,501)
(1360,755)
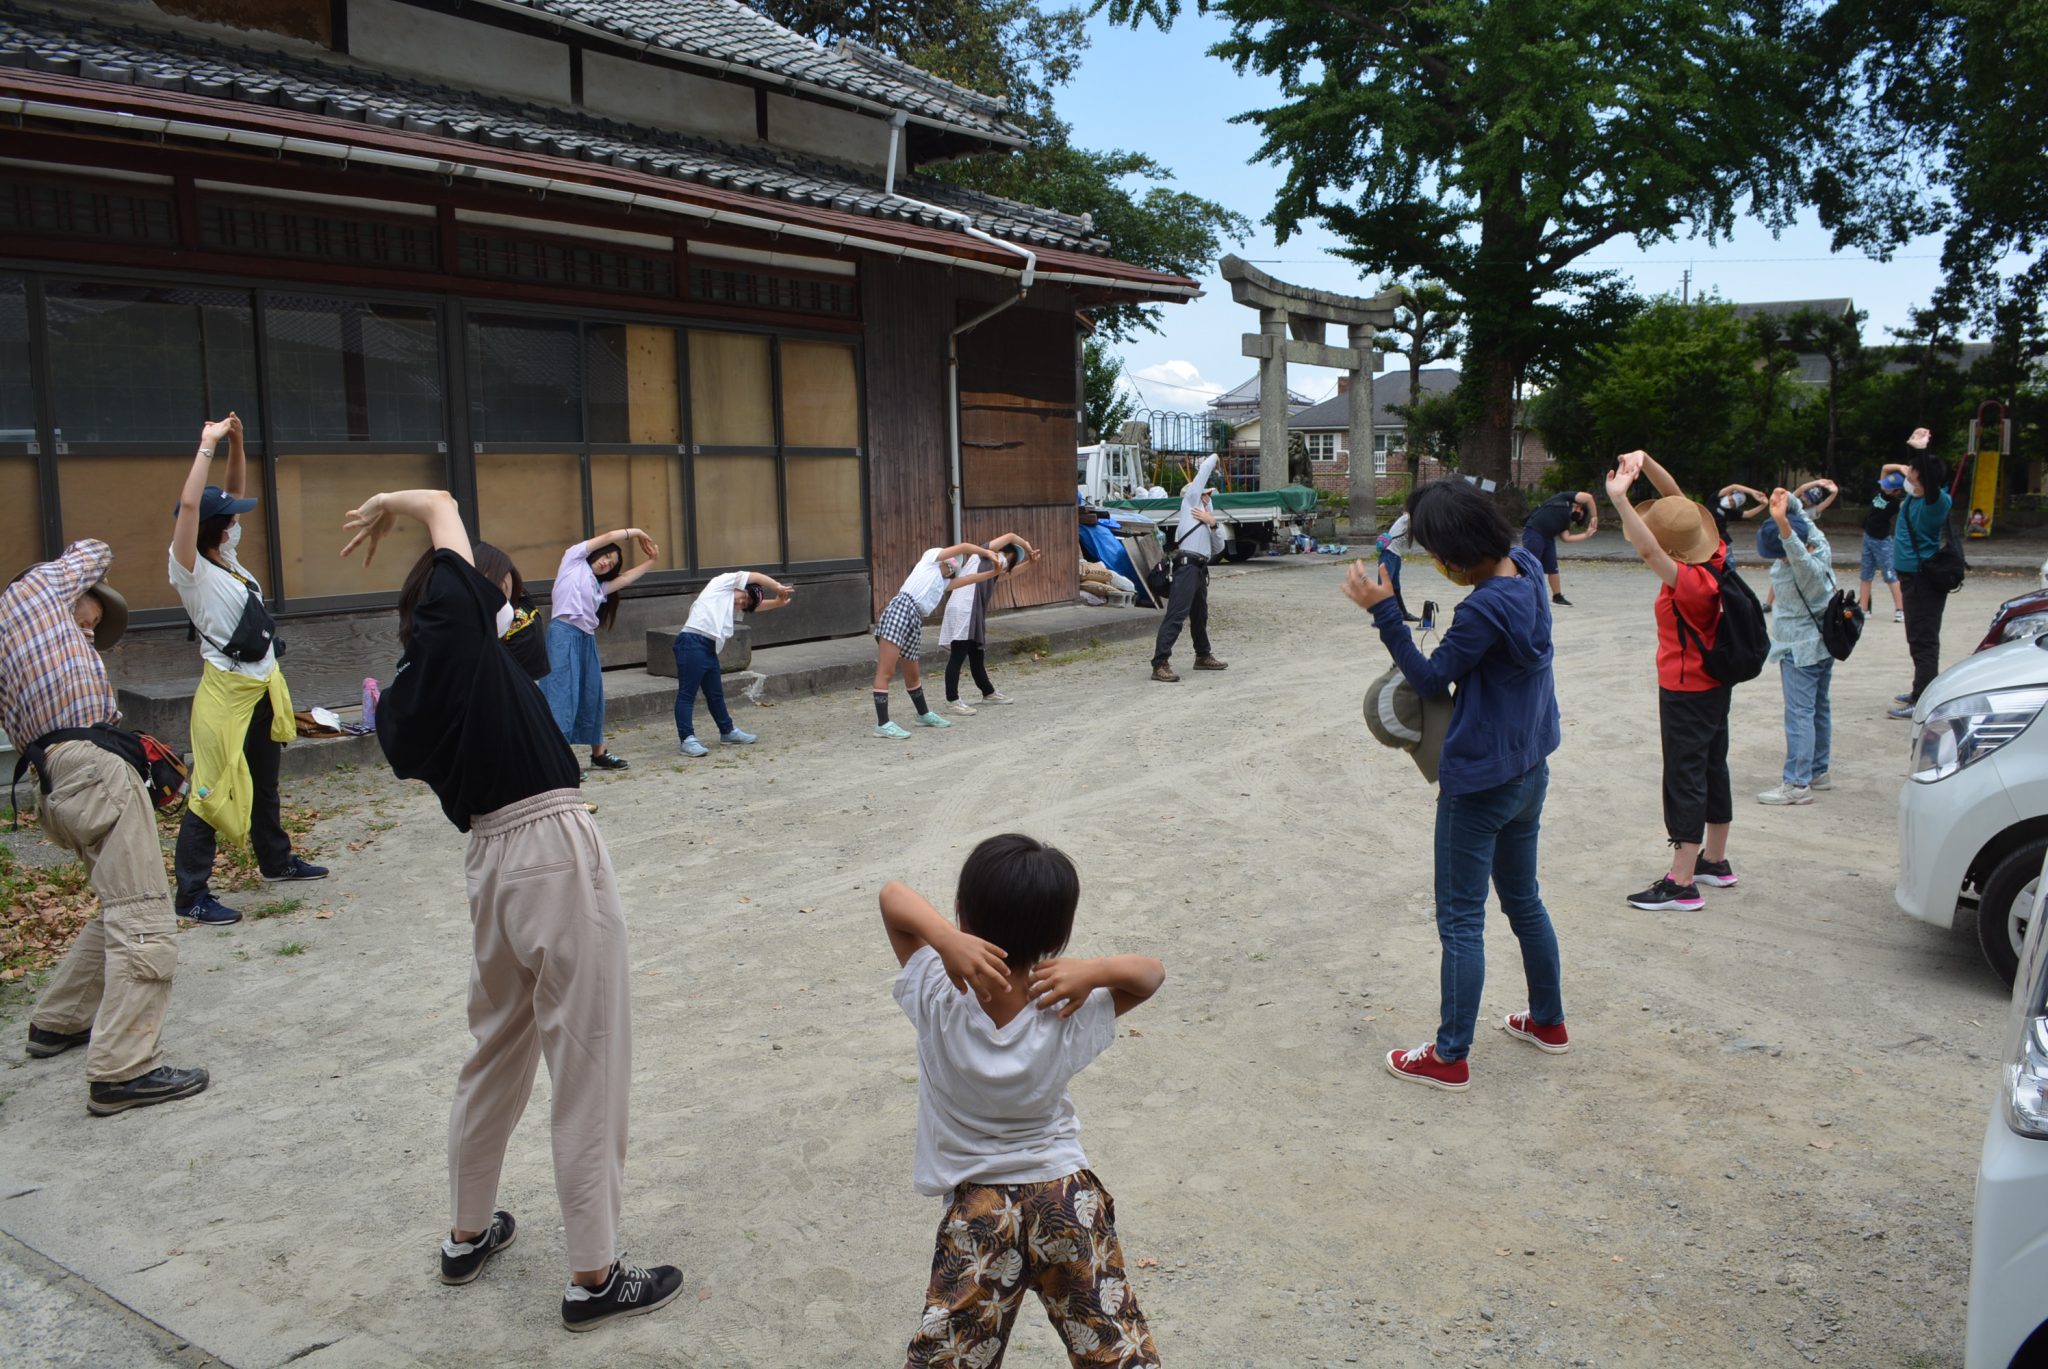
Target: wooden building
(641,262)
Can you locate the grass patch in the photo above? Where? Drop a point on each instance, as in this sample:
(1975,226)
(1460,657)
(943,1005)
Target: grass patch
(1036,645)
(293,948)
(277,907)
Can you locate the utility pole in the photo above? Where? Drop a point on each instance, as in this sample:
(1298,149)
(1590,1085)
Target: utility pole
(1685,286)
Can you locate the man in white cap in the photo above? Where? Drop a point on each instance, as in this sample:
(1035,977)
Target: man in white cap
(1196,543)
(113,987)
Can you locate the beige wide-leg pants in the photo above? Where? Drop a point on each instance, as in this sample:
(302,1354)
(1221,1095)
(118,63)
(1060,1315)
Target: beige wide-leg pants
(116,978)
(550,979)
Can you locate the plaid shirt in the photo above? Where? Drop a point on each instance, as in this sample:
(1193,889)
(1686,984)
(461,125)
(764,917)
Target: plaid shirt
(50,675)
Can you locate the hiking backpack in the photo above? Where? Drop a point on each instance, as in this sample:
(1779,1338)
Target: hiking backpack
(1741,641)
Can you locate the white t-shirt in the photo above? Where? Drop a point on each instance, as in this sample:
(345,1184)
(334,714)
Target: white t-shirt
(712,614)
(926,582)
(1398,540)
(214,601)
(959,619)
(992,1104)
(1191,535)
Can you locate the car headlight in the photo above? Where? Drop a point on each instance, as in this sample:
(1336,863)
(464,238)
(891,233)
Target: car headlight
(2027,625)
(1970,728)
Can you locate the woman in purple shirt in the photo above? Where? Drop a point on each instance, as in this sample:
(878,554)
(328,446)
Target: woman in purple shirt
(583,600)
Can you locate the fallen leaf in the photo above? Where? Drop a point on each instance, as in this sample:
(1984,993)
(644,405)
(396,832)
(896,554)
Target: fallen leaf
(1617,1259)
(703,1295)
(1145,1262)
(1135,1032)
(1822,1145)
(745,899)
(1503,1250)
(324,912)
(801,910)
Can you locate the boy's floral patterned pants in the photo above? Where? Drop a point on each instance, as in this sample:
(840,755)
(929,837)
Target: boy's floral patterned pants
(1057,1239)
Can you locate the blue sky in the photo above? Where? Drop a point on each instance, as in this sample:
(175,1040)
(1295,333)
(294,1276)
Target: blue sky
(1160,94)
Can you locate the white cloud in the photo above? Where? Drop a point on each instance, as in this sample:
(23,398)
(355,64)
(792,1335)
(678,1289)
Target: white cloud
(1176,382)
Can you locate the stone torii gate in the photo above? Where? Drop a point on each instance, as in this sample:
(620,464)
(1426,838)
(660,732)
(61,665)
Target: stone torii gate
(1294,324)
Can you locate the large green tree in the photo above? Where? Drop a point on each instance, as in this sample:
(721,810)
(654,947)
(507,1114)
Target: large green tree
(1933,115)
(1021,53)
(1494,146)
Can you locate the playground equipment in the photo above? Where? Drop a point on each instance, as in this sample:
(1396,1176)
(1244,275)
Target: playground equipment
(1983,460)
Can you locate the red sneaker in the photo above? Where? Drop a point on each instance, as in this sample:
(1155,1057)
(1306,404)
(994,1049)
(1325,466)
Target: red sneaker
(1550,1039)
(1422,1065)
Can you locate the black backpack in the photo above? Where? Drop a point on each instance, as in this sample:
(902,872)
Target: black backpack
(1741,641)
(1840,623)
(1944,567)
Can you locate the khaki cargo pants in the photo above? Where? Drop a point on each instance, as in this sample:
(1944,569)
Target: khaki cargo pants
(117,977)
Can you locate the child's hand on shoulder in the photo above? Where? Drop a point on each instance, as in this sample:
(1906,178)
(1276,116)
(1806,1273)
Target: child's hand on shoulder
(972,963)
(1068,980)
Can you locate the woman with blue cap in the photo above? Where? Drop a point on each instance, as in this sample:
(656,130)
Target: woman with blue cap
(242,711)
(1797,552)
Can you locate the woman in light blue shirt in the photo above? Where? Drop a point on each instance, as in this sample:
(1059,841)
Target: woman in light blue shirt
(1799,557)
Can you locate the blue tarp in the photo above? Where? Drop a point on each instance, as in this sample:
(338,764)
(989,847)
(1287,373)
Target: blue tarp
(1098,543)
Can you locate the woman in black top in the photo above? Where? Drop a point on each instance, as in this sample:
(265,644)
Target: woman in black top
(549,976)
(1547,525)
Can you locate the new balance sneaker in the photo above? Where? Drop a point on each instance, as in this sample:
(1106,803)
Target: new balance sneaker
(737,737)
(164,1084)
(1786,796)
(1423,1066)
(605,760)
(893,732)
(1824,780)
(931,720)
(44,1044)
(300,868)
(208,911)
(1898,615)
(1664,894)
(996,698)
(1551,1040)
(960,706)
(630,1291)
(462,1261)
(1719,873)
(693,747)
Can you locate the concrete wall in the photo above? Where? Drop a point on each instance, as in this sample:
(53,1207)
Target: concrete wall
(649,94)
(840,134)
(459,51)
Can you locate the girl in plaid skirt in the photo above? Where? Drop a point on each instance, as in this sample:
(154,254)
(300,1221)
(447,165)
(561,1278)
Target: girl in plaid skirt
(899,636)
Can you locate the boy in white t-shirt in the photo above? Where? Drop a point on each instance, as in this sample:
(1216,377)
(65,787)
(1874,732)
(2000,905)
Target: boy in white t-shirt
(704,635)
(1002,1026)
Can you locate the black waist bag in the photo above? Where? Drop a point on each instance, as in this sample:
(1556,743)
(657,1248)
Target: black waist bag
(164,772)
(255,635)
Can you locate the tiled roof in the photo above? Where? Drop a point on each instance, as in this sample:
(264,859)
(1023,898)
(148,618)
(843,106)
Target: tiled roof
(1247,395)
(726,31)
(1390,388)
(162,60)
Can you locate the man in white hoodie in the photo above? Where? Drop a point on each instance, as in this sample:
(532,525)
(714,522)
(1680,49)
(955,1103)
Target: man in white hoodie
(1196,544)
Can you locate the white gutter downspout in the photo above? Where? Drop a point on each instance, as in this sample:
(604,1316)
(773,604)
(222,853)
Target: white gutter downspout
(960,220)
(953,401)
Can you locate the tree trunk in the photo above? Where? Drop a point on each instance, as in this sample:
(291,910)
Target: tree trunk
(1489,448)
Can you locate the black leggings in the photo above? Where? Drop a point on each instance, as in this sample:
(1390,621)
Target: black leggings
(970,652)
(1923,604)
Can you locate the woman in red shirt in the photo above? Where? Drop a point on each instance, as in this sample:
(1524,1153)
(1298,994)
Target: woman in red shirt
(1677,538)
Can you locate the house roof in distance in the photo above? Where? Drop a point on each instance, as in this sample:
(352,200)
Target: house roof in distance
(1785,308)
(1390,389)
(727,33)
(278,87)
(1246,396)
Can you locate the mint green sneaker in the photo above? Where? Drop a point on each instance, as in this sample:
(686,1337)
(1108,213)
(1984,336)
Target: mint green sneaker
(931,720)
(892,732)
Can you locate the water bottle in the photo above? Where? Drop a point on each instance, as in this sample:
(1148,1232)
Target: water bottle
(370,696)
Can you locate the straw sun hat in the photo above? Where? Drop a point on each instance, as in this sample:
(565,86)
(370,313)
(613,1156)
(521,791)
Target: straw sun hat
(1684,529)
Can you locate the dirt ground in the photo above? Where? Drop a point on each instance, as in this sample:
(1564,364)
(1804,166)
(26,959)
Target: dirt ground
(1761,1149)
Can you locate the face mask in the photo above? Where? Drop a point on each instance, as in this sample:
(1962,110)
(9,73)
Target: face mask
(1456,577)
(504,619)
(234,538)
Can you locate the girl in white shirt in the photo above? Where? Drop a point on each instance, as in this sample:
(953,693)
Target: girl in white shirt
(899,634)
(704,635)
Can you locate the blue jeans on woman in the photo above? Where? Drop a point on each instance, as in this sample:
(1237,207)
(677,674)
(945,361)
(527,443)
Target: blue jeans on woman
(1809,723)
(697,668)
(574,684)
(1482,836)
(1392,562)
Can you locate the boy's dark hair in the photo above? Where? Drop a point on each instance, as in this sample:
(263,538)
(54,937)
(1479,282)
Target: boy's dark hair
(490,562)
(1458,525)
(1020,894)
(1013,553)
(754,597)
(1580,513)
(608,611)
(1931,471)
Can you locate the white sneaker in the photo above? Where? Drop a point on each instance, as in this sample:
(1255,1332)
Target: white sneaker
(1824,780)
(1898,615)
(962,707)
(997,698)
(1786,795)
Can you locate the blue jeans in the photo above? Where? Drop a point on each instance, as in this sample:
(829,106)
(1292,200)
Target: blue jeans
(1491,834)
(574,684)
(1877,556)
(1809,724)
(697,668)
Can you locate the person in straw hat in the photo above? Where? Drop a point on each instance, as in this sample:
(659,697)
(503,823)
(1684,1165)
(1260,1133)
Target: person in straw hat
(1490,762)
(1676,537)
